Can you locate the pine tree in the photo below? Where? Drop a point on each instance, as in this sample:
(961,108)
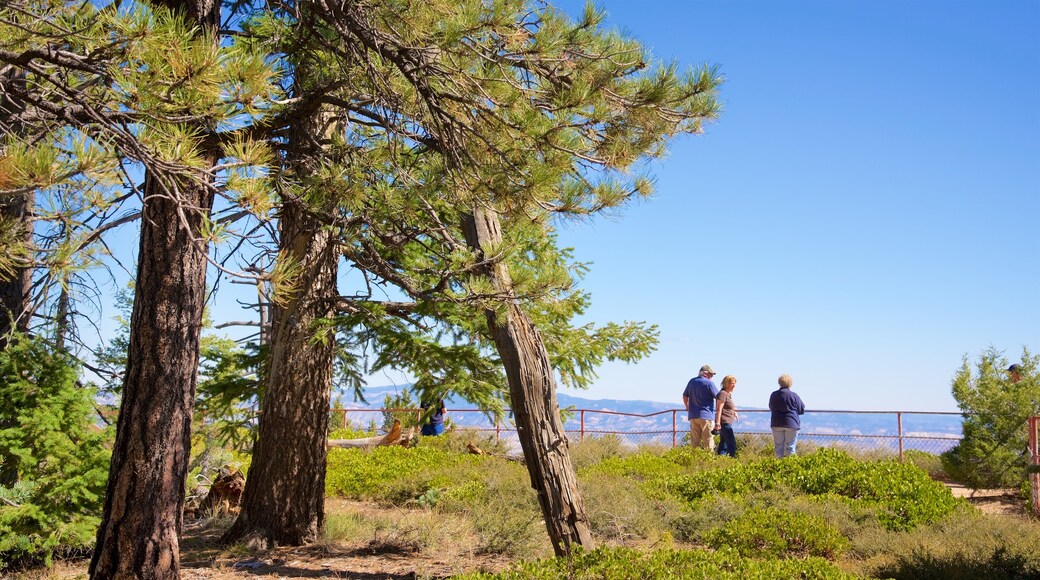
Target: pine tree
(58,457)
(993,451)
(468,127)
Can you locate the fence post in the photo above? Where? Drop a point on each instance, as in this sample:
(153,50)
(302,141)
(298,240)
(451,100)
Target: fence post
(498,429)
(674,431)
(1034,460)
(899,426)
(581,437)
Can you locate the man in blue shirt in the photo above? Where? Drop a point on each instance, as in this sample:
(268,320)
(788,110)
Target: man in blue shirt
(699,400)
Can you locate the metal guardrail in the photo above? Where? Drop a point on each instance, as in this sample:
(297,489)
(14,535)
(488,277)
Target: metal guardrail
(1034,461)
(669,427)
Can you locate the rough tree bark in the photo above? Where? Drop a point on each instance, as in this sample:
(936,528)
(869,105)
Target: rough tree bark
(15,290)
(16,287)
(141,522)
(284,499)
(532,392)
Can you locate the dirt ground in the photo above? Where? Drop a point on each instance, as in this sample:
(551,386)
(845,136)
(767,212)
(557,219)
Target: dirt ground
(202,558)
(1003,502)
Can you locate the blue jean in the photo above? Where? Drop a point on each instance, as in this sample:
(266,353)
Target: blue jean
(433,429)
(784,441)
(727,441)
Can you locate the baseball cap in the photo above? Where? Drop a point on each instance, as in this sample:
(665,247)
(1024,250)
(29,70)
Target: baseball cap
(1015,369)
(707,369)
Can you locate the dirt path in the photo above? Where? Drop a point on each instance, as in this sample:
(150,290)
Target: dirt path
(1003,502)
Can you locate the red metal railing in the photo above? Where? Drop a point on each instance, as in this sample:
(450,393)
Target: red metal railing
(1034,461)
(665,427)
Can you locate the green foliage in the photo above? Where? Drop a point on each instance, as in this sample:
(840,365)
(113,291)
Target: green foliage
(228,391)
(505,515)
(993,451)
(593,450)
(54,459)
(902,495)
(620,511)
(458,440)
(930,463)
(618,563)
(390,473)
(963,548)
(776,533)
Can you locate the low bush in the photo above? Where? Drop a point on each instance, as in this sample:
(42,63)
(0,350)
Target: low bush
(400,532)
(382,472)
(594,450)
(623,563)
(776,533)
(969,546)
(927,462)
(619,510)
(459,440)
(706,514)
(901,495)
(503,508)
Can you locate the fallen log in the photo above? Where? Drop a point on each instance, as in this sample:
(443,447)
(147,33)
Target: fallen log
(394,437)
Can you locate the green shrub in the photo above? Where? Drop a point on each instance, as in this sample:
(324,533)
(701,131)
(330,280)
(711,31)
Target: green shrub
(961,548)
(593,450)
(625,563)
(53,459)
(926,462)
(706,514)
(776,533)
(503,508)
(901,495)
(372,474)
(619,510)
(458,440)
(643,466)
(351,432)
(751,445)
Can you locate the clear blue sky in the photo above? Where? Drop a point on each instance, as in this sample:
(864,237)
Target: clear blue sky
(862,215)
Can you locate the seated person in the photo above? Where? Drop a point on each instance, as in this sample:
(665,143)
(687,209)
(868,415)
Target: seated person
(435,425)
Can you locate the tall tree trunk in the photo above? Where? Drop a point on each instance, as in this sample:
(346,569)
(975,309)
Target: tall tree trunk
(16,287)
(15,290)
(141,522)
(532,392)
(284,499)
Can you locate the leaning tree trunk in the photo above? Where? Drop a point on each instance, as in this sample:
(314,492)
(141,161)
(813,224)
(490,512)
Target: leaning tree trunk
(532,391)
(284,499)
(141,522)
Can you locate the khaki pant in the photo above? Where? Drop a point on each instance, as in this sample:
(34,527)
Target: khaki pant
(700,434)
